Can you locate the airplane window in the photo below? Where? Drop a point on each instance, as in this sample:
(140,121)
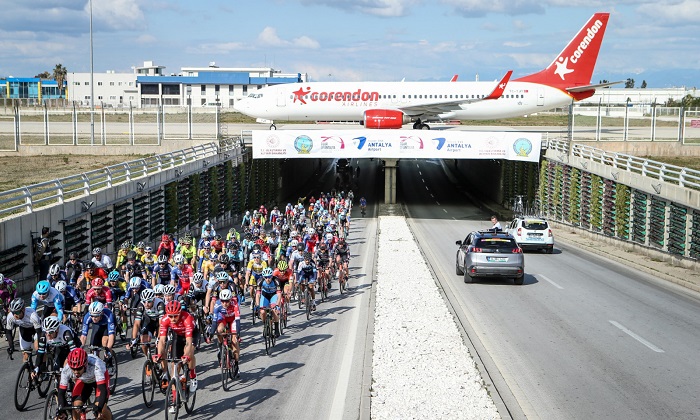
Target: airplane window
(394,96)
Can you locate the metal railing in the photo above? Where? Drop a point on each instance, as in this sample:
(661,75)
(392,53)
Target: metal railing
(684,177)
(27,199)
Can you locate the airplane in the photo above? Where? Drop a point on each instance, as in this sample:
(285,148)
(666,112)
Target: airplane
(390,105)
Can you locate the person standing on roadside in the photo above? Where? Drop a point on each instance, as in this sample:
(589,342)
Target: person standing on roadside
(496,224)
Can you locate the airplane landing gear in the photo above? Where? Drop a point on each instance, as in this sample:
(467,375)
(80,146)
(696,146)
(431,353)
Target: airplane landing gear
(273,126)
(419,125)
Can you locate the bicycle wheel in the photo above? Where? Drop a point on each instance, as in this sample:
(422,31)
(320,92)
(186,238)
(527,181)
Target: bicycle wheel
(148,383)
(172,399)
(225,364)
(287,308)
(44,384)
(51,406)
(324,290)
(267,335)
(307,296)
(23,387)
(190,397)
(113,370)
(273,339)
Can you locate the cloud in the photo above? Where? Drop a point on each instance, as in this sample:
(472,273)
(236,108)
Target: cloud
(117,14)
(268,37)
(382,8)
(672,12)
(516,44)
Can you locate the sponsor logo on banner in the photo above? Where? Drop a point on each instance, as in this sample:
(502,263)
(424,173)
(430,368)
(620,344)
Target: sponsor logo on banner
(522,147)
(331,144)
(273,146)
(378,146)
(359,142)
(456,146)
(303,144)
(441,142)
(492,148)
(411,143)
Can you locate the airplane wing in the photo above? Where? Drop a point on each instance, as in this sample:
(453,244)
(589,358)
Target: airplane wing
(592,87)
(442,107)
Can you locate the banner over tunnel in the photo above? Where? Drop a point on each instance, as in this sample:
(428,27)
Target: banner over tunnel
(397,144)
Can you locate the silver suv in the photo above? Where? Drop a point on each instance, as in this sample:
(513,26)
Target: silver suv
(490,254)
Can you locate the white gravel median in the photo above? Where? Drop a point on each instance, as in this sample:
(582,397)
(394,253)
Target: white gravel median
(421,368)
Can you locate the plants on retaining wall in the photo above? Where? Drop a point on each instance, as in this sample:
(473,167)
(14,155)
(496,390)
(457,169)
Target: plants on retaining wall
(596,203)
(575,196)
(557,196)
(622,211)
(171,207)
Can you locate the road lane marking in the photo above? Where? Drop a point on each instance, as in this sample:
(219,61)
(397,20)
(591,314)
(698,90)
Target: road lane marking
(636,337)
(548,280)
(438,203)
(445,210)
(423,180)
(420,173)
(426,188)
(431,194)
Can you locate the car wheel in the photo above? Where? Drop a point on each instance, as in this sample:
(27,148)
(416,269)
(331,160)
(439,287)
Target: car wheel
(459,271)
(467,278)
(519,280)
(550,250)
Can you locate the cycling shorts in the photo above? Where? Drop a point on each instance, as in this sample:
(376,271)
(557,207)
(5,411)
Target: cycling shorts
(254,277)
(309,278)
(266,303)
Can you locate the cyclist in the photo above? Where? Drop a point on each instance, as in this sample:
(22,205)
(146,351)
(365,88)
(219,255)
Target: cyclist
(49,298)
(323,261)
(183,325)
(133,267)
(268,295)
(166,247)
(306,274)
(148,260)
(203,255)
(188,251)
(162,272)
(198,289)
(223,281)
(92,271)
(218,244)
(148,313)
(8,291)
(253,273)
(140,250)
(103,319)
(72,299)
(124,249)
(284,276)
(227,316)
(88,372)
(58,336)
(181,275)
(29,325)
(99,293)
(56,274)
(101,260)
(341,254)
(363,205)
(74,269)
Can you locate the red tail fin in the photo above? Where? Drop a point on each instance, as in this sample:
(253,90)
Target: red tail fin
(574,65)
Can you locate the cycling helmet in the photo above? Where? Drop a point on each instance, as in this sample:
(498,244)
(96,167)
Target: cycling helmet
(50,324)
(162,259)
(165,237)
(282,265)
(73,256)
(135,282)
(225,295)
(267,272)
(217,237)
(98,283)
(91,265)
(96,308)
(43,287)
(223,258)
(147,295)
(61,286)
(113,276)
(158,289)
(179,259)
(300,246)
(124,245)
(222,276)
(213,256)
(54,269)
(198,278)
(141,244)
(257,254)
(206,245)
(96,251)
(173,307)
(322,246)
(17,305)
(148,249)
(294,233)
(294,243)
(77,358)
(131,255)
(307,255)
(259,242)
(168,290)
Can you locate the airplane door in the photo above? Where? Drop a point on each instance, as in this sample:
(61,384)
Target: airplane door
(281,98)
(540,97)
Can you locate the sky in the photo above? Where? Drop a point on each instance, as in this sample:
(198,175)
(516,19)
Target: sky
(352,40)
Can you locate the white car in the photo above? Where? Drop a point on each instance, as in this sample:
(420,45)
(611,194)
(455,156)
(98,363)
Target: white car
(532,233)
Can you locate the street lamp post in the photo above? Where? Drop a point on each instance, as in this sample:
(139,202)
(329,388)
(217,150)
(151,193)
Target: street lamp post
(92,87)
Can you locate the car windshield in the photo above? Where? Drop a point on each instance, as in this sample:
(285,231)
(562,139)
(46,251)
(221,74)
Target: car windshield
(535,224)
(500,243)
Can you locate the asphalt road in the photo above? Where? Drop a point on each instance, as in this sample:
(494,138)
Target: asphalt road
(582,338)
(317,370)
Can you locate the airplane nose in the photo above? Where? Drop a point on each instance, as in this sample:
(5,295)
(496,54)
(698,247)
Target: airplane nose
(240,105)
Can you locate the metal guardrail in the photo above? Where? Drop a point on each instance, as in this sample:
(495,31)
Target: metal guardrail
(684,177)
(25,200)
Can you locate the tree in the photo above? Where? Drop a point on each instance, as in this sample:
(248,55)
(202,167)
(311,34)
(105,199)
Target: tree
(644,84)
(44,75)
(629,84)
(59,74)
(603,81)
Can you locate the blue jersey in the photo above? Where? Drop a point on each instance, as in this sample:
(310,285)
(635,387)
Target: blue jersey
(106,319)
(54,299)
(60,277)
(132,291)
(162,273)
(71,297)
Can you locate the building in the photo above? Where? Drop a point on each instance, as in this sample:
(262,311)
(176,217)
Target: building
(31,89)
(112,90)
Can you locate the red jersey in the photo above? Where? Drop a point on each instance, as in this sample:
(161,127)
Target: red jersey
(167,247)
(103,294)
(183,327)
(283,276)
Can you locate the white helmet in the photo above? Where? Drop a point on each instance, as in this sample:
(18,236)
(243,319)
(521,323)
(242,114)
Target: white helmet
(147,295)
(61,286)
(54,269)
(96,308)
(198,278)
(179,259)
(50,324)
(158,289)
(294,243)
(169,290)
(225,294)
(135,282)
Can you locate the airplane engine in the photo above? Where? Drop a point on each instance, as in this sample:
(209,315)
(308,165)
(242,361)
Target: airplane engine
(385,118)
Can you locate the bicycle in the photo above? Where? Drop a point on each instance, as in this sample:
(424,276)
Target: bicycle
(307,300)
(111,363)
(268,331)
(342,278)
(323,284)
(227,361)
(178,390)
(74,321)
(284,314)
(24,385)
(363,210)
(151,375)
(52,407)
